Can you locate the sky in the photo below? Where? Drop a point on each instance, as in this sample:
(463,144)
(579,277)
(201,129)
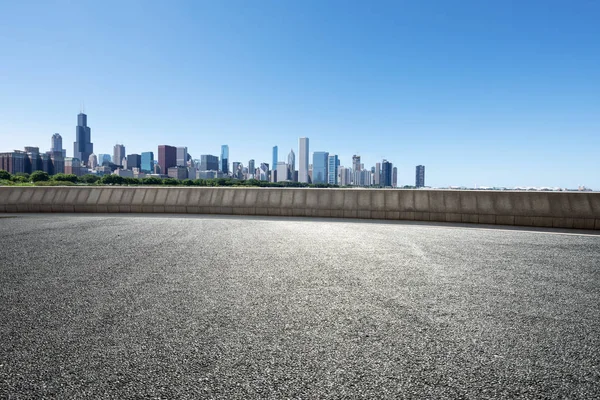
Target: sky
(483,93)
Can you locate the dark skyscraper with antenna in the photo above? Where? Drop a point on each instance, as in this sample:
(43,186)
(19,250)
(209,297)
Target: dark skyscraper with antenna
(83,146)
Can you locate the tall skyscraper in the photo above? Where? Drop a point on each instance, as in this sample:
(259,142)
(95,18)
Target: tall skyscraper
(282,171)
(320,167)
(264,172)
(182,156)
(147,162)
(251,170)
(345,176)
(385,179)
(291,165)
(56,145)
(377,174)
(167,158)
(225,159)
(356,163)
(83,146)
(134,161)
(209,162)
(394,177)
(303,161)
(420,176)
(275,158)
(102,158)
(118,154)
(92,161)
(332,165)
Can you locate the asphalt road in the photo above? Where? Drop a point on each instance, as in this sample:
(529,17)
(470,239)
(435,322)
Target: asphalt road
(223,307)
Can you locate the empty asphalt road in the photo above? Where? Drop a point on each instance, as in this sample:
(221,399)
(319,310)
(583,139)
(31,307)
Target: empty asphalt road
(118,306)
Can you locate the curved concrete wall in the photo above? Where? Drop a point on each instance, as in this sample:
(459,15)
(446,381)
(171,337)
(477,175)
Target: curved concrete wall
(544,209)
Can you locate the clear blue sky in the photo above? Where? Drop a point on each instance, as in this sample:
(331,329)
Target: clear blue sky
(500,93)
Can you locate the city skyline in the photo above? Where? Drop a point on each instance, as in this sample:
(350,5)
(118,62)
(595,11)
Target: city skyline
(482,94)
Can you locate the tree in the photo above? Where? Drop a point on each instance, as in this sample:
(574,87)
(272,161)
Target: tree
(89,178)
(187,182)
(5,175)
(170,182)
(112,180)
(65,178)
(39,176)
(152,180)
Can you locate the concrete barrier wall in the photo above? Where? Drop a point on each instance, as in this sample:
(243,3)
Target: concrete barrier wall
(544,209)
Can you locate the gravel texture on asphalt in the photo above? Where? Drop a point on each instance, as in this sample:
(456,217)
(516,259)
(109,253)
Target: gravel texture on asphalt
(224,307)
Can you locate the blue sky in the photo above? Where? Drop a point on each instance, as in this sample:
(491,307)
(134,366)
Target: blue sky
(500,93)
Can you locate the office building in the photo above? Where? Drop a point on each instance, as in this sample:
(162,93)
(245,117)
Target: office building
(345,176)
(134,161)
(377,175)
(182,156)
(356,163)
(92,161)
(420,176)
(83,146)
(320,160)
(282,171)
(251,170)
(394,177)
(225,159)
(167,157)
(332,165)
(56,145)
(118,154)
(13,161)
(385,179)
(147,162)
(177,172)
(103,158)
(264,172)
(33,161)
(209,162)
(274,160)
(303,161)
(73,166)
(291,165)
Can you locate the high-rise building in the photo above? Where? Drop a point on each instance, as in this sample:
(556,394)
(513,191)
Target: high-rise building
(33,160)
(251,169)
(225,159)
(147,162)
(83,146)
(303,161)
(118,154)
(134,161)
(394,177)
(178,172)
(264,172)
(345,176)
(275,159)
(209,162)
(356,163)
(103,158)
(167,157)
(93,161)
(291,165)
(320,167)
(13,161)
(56,145)
(385,179)
(420,176)
(377,175)
(182,156)
(282,171)
(332,165)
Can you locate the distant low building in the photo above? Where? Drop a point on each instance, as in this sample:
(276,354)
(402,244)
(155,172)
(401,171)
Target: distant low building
(178,172)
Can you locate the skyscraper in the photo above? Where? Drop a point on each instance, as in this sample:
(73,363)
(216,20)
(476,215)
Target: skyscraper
(394,177)
(282,171)
(264,172)
(209,162)
(385,180)
(320,160)
(134,161)
(182,156)
(291,165)
(332,164)
(56,145)
(102,158)
(167,158)
(83,146)
(303,161)
(251,170)
(420,176)
(356,163)
(147,162)
(118,154)
(93,161)
(225,159)
(377,174)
